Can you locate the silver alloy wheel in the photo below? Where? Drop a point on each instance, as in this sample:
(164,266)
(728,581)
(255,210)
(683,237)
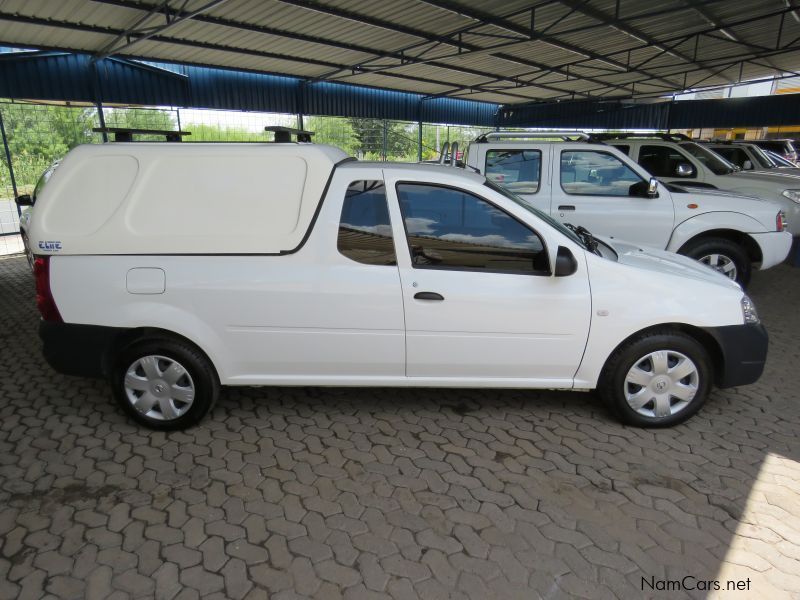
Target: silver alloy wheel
(661,384)
(159,387)
(720,262)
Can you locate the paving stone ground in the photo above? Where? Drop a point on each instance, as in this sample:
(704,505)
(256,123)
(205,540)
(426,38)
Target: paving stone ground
(365,493)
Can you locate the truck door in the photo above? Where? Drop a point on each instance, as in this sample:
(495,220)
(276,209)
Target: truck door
(595,189)
(479,300)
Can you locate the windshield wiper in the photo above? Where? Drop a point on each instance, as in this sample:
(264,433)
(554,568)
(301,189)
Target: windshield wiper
(585,236)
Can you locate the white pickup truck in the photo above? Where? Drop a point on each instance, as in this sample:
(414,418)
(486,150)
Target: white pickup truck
(675,158)
(598,187)
(172,269)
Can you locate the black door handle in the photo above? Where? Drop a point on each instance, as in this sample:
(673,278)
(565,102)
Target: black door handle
(428,296)
(566,207)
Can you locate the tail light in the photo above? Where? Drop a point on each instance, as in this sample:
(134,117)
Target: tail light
(780,221)
(44,296)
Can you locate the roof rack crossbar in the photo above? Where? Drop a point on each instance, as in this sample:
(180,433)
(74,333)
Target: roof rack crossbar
(284,134)
(125,134)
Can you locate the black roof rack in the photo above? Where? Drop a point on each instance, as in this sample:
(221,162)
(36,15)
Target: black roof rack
(567,136)
(125,134)
(284,134)
(667,137)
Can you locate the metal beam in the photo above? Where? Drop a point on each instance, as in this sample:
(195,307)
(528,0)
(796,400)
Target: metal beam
(484,18)
(134,34)
(233,49)
(316,6)
(345,68)
(624,27)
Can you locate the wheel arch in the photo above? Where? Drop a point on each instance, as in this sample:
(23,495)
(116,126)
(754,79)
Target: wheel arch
(705,339)
(137,334)
(738,237)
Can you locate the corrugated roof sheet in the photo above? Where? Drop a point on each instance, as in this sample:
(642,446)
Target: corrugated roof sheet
(457,47)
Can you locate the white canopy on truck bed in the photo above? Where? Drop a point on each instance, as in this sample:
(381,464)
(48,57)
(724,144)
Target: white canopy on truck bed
(181,198)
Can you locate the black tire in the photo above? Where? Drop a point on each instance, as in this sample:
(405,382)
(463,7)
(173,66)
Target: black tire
(706,246)
(198,377)
(613,386)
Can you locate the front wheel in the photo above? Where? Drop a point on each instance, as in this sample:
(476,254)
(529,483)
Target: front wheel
(164,384)
(658,379)
(723,255)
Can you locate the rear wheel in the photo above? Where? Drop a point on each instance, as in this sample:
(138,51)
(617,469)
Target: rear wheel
(657,380)
(725,256)
(164,384)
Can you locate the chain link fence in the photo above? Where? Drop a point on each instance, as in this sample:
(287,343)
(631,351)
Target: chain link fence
(39,133)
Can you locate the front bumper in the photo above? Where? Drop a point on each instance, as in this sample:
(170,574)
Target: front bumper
(75,349)
(774,245)
(744,353)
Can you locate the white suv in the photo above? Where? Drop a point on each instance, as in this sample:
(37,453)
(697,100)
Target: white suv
(598,187)
(677,159)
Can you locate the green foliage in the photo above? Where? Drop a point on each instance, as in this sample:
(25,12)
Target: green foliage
(202,132)
(40,134)
(334,131)
(400,139)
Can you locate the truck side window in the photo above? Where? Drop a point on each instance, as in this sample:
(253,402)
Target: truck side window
(594,173)
(365,231)
(452,229)
(519,171)
(661,161)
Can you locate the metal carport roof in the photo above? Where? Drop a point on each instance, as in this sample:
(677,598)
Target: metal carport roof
(504,52)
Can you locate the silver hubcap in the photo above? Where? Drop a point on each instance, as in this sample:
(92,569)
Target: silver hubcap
(721,263)
(159,387)
(661,383)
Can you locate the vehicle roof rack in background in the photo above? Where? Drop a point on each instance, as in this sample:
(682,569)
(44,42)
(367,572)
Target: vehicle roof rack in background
(125,134)
(567,136)
(625,135)
(284,134)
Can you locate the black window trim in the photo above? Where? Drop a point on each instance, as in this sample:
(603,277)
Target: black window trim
(500,148)
(388,214)
(561,181)
(468,269)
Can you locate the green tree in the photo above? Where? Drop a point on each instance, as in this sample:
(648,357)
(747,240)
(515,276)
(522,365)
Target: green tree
(369,134)
(334,131)
(203,132)
(138,118)
(39,134)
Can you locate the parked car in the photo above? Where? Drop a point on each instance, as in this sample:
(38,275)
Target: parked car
(785,148)
(779,160)
(745,155)
(600,188)
(678,160)
(172,269)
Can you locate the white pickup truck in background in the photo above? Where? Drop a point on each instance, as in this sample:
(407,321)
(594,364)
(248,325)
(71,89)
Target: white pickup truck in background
(597,186)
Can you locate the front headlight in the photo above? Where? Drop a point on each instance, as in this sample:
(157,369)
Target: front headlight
(749,311)
(793,195)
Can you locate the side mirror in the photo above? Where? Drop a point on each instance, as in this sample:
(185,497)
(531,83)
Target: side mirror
(747,165)
(684,170)
(566,264)
(24,200)
(652,187)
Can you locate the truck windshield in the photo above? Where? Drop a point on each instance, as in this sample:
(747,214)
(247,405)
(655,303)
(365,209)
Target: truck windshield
(712,160)
(543,216)
(762,159)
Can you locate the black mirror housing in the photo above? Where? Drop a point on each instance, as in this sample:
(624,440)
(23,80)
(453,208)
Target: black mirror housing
(566,264)
(24,200)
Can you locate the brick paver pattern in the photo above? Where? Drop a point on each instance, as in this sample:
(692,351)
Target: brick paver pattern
(386,493)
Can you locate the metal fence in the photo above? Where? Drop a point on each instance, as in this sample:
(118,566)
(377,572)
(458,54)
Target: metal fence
(35,134)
